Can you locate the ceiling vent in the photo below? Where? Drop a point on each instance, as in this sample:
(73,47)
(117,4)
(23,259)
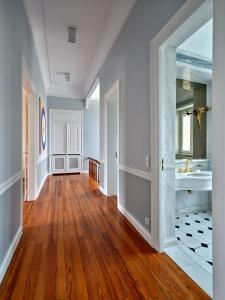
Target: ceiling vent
(66,74)
(71,34)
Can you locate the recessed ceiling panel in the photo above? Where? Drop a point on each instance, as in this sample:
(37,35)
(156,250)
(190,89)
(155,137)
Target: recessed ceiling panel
(97,23)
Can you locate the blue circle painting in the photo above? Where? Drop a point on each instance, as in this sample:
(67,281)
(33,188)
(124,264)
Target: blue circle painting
(43,128)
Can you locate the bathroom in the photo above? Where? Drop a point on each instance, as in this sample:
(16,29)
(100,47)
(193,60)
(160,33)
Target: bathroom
(193,159)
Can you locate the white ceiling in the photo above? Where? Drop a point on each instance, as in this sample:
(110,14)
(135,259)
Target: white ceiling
(98,23)
(200,43)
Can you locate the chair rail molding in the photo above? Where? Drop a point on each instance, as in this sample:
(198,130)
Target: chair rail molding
(136,172)
(6,185)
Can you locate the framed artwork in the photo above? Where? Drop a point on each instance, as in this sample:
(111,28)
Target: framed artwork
(42,127)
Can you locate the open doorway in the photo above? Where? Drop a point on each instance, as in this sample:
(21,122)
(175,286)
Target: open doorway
(193,159)
(92,132)
(28,137)
(111,141)
(181,143)
(25,144)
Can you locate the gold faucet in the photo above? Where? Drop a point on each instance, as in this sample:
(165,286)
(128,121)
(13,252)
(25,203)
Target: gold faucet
(186,169)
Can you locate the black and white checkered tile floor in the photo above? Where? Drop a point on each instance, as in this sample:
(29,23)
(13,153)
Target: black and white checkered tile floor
(194,231)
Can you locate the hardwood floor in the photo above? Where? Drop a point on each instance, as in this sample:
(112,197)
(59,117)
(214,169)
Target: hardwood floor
(76,245)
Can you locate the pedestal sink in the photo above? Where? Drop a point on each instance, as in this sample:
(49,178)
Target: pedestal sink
(194,181)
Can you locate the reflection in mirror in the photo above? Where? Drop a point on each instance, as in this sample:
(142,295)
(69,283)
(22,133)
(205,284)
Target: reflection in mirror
(190,140)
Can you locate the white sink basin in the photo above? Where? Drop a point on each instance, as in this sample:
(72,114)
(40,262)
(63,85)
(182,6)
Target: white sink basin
(195,181)
(200,174)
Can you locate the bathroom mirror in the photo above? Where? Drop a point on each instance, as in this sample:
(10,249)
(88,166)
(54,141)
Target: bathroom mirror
(191,141)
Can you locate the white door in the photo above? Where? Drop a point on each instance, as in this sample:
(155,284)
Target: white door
(112,143)
(73,138)
(218,149)
(59,138)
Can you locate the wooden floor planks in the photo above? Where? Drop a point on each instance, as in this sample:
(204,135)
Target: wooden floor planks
(76,245)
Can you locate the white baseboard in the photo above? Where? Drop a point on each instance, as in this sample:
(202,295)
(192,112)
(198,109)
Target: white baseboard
(140,228)
(170,242)
(9,254)
(102,190)
(41,185)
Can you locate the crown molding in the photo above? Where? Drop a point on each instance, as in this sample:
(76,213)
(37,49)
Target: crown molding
(115,18)
(34,13)
(62,92)
(114,22)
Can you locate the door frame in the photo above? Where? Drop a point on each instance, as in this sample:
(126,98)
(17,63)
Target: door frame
(32,128)
(191,16)
(218,149)
(114,88)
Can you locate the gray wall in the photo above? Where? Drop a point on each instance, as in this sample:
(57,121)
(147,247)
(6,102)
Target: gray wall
(10,220)
(133,187)
(91,131)
(16,39)
(128,60)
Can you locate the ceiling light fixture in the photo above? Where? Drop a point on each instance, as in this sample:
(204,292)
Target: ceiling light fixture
(66,74)
(71,34)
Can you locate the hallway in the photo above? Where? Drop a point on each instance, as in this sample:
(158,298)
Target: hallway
(76,245)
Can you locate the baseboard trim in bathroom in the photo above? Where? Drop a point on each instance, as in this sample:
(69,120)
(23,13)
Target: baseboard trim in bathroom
(170,242)
(192,209)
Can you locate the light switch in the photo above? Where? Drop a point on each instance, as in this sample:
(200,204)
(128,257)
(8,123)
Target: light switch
(147,161)
(146,221)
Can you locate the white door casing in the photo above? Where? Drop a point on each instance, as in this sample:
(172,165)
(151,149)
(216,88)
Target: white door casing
(112,141)
(185,22)
(32,121)
(192,15)
(111,147)
(30,90)
(218,149)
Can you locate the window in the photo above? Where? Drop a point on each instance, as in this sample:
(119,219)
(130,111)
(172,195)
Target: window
(184,131)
